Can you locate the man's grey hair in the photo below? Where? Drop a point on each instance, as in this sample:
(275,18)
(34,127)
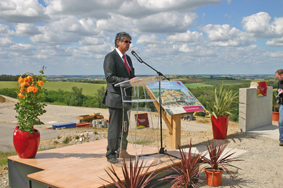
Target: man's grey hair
(279,71)
(120,36)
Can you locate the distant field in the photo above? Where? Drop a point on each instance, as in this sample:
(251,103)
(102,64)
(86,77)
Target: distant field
(88,88)
(8,84)
(192,86)
(225,82)
(204,82)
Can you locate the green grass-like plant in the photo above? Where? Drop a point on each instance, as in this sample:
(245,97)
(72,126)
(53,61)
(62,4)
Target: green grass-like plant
(67,140)
(4,156)
(135,176)
(223,102)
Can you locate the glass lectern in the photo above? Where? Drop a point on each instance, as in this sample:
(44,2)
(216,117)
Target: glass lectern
(140,128)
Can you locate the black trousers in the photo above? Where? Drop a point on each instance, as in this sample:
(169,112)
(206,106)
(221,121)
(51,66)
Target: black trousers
(115,132)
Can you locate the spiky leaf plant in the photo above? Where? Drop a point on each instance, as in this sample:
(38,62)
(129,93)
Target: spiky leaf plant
(222,105)
(136,176)
(185,173)
(218,159)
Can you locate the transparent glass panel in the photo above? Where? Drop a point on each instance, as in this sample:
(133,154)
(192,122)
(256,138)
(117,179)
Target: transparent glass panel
(140,134)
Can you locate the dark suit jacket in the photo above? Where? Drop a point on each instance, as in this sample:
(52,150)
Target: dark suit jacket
(115,71)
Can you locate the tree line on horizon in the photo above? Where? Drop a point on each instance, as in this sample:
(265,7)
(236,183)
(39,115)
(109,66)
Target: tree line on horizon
(5,77)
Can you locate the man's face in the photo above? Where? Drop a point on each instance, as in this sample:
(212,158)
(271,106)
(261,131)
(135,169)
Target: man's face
(124,45)
(279,76)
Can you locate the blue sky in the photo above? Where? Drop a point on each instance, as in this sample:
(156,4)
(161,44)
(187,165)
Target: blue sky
(72,37)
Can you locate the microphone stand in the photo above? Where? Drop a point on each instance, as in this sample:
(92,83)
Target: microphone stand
(161,151)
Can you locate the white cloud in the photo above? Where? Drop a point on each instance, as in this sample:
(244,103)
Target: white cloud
(18,50)
(50,52)
(26,29)
(65,31)
(6,41)
(259,25)
(7,5)
(5,31)
(86,41)
(197,51)
(71,6)
(193,38)
(276,54)
(173,4)
(92,50)
(131,8)
(19,11)
(148,39)
(72,24)
(275,42)
(165,22)
(224,35)
(115,23)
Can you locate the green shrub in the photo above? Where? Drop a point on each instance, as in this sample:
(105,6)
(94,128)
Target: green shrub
(67,140)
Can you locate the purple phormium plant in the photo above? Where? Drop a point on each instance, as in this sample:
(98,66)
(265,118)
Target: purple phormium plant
(135,177)
(186,172)
(217,159)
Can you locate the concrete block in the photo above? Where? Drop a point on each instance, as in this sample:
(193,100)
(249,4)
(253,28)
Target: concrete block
(254,111)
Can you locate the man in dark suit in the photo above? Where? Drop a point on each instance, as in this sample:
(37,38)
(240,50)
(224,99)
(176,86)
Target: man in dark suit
(117,68)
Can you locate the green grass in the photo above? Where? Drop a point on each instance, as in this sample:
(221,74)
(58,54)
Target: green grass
(225,82)
(4,156)
(8,84)
(88,88)
(67,140)
(192,86)
(204,81)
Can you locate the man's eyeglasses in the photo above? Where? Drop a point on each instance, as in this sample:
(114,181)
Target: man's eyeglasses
(127,41)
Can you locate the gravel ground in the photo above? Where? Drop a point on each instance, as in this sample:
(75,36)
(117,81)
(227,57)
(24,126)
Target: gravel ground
(261,166)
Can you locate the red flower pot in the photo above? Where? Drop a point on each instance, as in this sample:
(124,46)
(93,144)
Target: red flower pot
(275,116)
(219,126)
(25,143)
(213,177)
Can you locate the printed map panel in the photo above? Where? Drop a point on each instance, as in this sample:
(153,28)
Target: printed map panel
(175,97)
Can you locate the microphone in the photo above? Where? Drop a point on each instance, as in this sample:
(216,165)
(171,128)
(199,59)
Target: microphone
(136,56)
(141,61)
